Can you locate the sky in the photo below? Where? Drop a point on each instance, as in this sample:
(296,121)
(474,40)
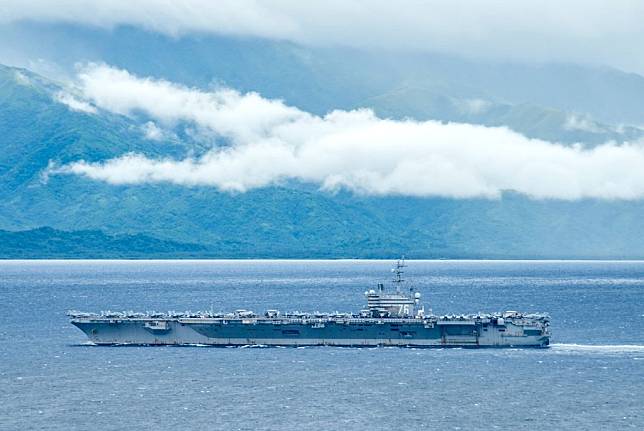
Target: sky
(604,32)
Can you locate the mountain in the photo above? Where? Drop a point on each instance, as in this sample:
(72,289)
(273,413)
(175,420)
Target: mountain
(47,243)
(70,216)
(559,102)
(36,128)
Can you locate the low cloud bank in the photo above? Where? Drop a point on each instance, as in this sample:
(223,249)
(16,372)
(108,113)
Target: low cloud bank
(269,142)
(73,103)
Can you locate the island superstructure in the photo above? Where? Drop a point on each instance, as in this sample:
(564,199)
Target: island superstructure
(395,318)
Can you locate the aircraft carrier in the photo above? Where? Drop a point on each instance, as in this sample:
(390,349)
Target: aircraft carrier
(391,318)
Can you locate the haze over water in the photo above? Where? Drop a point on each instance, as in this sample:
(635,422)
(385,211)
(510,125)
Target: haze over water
(591,378)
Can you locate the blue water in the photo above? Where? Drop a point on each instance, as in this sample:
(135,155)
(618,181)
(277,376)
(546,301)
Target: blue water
(592,377)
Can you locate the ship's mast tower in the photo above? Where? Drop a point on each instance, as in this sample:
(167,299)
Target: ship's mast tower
(398,273)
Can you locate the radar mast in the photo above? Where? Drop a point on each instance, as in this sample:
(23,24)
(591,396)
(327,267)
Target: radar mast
(398,272)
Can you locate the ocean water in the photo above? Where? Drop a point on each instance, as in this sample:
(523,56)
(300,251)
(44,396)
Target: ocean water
(591,378)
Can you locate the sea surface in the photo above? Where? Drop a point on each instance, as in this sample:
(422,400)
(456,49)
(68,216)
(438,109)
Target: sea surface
(592,378)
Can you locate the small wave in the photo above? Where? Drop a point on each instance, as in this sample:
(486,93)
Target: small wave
(83,344)
(598,348)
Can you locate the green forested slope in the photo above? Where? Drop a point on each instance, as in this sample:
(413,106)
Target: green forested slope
(293,220)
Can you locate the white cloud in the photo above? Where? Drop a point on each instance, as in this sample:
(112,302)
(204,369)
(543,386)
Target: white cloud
(269,142)
(224,111)
(593,31)
(153,132)
(582,123)
(21,78)
(473,106)
(236,17)
(73,103)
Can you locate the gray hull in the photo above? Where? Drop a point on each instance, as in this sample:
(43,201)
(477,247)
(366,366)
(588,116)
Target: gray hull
(355,332)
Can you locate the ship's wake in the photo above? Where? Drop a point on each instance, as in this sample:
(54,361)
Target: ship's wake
(597,348)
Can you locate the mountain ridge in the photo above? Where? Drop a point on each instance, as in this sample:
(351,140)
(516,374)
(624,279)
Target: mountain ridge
(289,220)
(48,243)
